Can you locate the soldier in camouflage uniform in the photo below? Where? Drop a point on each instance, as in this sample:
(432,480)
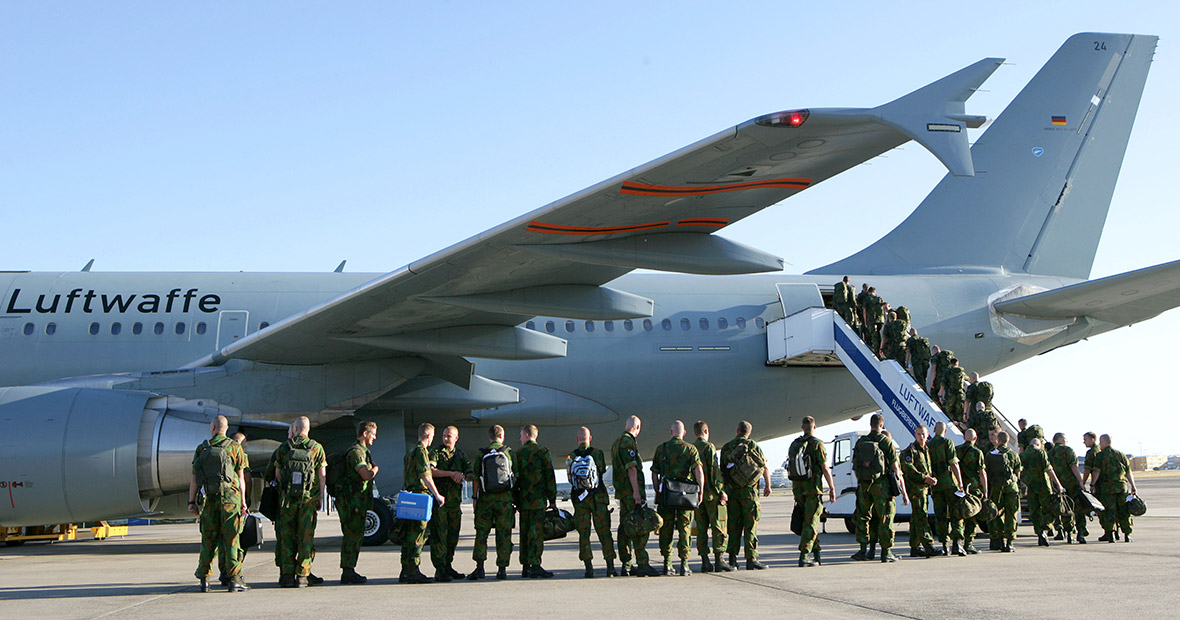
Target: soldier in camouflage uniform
(711,515)
(1112,480)
(492,509)
(1003,473)
(451,468)
(978,392)
(592,507)
(944,463)
(915,466)
(676,460)
(809,493)
(354,499)
(895,338)
(983,421)
(1088,471)
(299,501)
(1036,474)
(917,357)
(536,488)
(874,317)
(844,302)
(218,467)
(954,380)
(222,565)
(860,311)
(270,478)
(1065,465)
(744,509)
(940,360)
(630,490)
(418,479)
(974,480)
(874,502)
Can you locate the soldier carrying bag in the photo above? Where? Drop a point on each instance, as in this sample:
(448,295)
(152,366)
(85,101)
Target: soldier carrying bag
(495,472)
(218,477)
(251,535)
(679,494)
(744,467)
(556,523)
(300,473)
(868,461)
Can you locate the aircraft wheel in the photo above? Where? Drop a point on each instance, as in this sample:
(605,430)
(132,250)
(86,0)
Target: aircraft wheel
(378,520)
(850,525)
(14,543)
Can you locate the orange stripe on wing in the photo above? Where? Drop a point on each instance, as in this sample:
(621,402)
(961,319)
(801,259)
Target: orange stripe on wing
(561,229)
(643,189)
(712,222)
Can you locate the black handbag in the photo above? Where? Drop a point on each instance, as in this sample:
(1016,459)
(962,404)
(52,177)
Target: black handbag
(797,520)
(894,485)
(268,505)
(251,535)
(679,494)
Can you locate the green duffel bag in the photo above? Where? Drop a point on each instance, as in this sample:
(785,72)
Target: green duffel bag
(964,506)
(643,520)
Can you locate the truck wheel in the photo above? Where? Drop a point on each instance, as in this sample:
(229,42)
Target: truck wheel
(850,525)
(378,520)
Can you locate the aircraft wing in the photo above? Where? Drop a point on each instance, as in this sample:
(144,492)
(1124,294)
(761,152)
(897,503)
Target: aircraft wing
(465,300)
(1120,299)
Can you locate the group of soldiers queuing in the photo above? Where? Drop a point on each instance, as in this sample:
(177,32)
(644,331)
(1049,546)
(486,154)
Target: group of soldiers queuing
(726,503)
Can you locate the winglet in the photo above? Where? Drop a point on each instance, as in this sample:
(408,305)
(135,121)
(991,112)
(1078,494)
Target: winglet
(934,116)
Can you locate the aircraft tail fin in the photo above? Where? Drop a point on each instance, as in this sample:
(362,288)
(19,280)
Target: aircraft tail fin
(1045,172)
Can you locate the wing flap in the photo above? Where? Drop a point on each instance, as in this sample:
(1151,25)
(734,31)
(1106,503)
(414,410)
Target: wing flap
(1120,299)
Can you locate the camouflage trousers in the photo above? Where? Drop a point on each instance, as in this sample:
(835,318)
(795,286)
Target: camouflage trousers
(712,517)
(919,371)
(532,536)
(352,509)
(594,510)
(1007,500)
(919,523)
(1038,510)
(945,528)
(873,338)
(296,530)
(874,513)
(743,514)
(969,525)
(220,525)
(848,313)
(675,522)
(1116,513)
(630,545)
(415,539)
(444,533)
(953,405)
(812,506)
(494,511)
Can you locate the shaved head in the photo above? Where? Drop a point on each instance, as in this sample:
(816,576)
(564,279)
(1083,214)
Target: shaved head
(583,436)
(969,435)
(301,425)
(219,425)
(939,428)
(678,429)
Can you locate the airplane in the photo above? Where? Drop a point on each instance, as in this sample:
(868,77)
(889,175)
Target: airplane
(113,377)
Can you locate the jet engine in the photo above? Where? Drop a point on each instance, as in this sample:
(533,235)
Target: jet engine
(70,454)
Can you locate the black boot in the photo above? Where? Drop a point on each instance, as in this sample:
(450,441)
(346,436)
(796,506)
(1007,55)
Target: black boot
(706,565)
(1068,538)
(943,551)
(887,555)
(754,564)
(610,569)
(872,551)
(917,553)
(442,576)
(720,566)
(1116,535)
(930,550)
(1041,540)
(733,561)
(1081,539)
(502,572)
(286,581)
(237,584)
(996,545)
(204,587)
(456,575)
(644,570)
(537,572)
(804,561)
(312,580)
(815,555)
(625,570)
(478,573)
(684,570)
(1127,537)
(525,571)
(589,574)
(970,549)
(350,575)
(957,550)
(223,579)
(863,554)
(667,567)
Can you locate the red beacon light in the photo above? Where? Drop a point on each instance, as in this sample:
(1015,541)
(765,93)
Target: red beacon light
(790,118)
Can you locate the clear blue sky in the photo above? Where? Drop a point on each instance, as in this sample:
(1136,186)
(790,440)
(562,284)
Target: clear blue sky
(290,136)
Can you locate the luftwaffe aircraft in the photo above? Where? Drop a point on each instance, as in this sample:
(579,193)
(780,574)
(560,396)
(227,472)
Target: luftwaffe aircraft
(114,377)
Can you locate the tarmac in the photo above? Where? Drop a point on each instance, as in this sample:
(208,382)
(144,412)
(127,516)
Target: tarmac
(148,574)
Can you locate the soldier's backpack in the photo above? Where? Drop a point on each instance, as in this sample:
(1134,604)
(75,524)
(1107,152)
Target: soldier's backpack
(300,472)
(799,461)
(337,473)
(744,466)
(984,392)
(1061,506)
(495,471)
(868,461)
(1036,431)
(217,469)
(999,470)
(583,473)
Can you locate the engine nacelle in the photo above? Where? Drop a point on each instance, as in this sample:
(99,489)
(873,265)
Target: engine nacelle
(69,455)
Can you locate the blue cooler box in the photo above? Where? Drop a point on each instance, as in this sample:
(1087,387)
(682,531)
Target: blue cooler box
(414,506)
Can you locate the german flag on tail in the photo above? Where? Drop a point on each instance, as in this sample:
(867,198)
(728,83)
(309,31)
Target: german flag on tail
(1058,120)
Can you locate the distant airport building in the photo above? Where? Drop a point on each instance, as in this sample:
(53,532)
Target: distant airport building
(1145,463)
(778,478)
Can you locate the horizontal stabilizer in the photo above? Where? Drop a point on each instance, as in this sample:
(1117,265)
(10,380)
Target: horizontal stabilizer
(1120,299)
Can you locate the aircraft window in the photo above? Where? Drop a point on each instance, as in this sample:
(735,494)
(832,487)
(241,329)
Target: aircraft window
(263,325)
(180,328)
(685,324)
(50,329)
(741,323)
(93,329)
(29,329)
(550,327)
(531,325)
(116,329)
(137,329)
(666,324)
(589,326)
(704,323)
(608,326)
(759,322)
(569,326)
(628,325)
(647,325)
(722,323)
(158,328)
(201,327)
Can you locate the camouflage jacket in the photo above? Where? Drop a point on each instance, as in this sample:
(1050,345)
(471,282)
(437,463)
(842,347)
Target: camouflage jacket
(1034,465)
(237,456)
(894,340)
(819,455)
(1063,458)
(874,308)
(711,463)
(318,457)
(919,349)
(357,456)
(941,362)
(953,379)
(536,485)
(1113,469)
(860,300)
(675,459)
(1091,453)
(842,294)
(915,466)
(451,460)
(624,455)
(942,456)
(983,422)
(417,468)
(971,466)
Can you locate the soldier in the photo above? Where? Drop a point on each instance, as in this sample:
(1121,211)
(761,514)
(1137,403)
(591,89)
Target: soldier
(1065,465)
(222,565)
(1088,471)
(1111,481)
(844,303)
(939,362)
(451,468)
(711,514)
(536,488)
(953,398)
(984,421)
(874,501)
(270,478)
(1003,472)
(354,500)
(874,318)
(741,460)
(301,469)
(492,493)
(809,491)
(917,357)
(1036,474)
(218,467)
(974,482)
(591,502)
(418,479)
(1027,433)
(630,490)
(944,463)
(676,460)
(860,311)
(895,337)
(978,392)
(915,465)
